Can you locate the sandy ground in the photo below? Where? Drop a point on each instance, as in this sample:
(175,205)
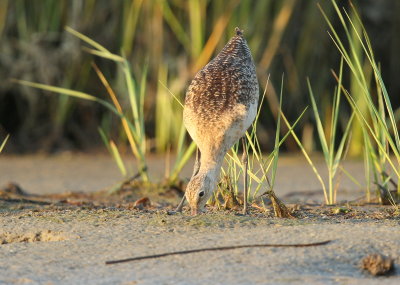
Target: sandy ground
(42,174)
(69,245)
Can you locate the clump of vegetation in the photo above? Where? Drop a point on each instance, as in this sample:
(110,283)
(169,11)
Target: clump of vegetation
(332,154)
(379,123)
(371,111)
(261,170)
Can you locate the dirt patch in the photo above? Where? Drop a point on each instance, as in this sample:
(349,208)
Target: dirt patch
(46,235)
(377,264)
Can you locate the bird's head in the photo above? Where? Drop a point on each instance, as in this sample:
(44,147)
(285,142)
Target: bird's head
(198,191)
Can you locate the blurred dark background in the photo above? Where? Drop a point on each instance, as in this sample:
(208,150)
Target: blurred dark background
(173,39)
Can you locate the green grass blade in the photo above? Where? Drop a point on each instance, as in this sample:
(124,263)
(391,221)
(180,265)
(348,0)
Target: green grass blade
(60,90)
(316,172)
(130,84)
(366,124)
(340,149)
(117,158)
(89,97)
(336,106)
(142,94)
(291,128)
(105,139)
(131,25)
(196,26)
(320,129)
(87,40)
(175,25)
(4,143)
(370,55)
(172,94)
(351,177)
(276,144)
(182,161)
(106,55)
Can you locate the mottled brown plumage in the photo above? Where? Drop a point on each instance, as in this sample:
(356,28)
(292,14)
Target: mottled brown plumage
(227,80)
(220,105)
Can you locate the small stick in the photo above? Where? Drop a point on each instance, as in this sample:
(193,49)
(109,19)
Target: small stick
(215,249)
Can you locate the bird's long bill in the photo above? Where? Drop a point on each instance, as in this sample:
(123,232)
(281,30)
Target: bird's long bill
(195,211)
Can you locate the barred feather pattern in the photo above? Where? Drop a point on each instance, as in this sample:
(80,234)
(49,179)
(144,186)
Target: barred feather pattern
(227,80)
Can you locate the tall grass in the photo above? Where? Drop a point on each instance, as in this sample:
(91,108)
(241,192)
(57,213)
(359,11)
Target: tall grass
(168,113)
(379,124)
(134,129)
(262,169)
(132,117)
(174,39)
(332,154)
(373,112)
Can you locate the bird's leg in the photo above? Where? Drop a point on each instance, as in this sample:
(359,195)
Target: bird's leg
(245,166)
(195,171)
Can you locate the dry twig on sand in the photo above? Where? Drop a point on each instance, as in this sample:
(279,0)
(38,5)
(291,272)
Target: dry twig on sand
(215,249)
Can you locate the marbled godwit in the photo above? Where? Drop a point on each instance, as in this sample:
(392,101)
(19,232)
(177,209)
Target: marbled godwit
(220,105)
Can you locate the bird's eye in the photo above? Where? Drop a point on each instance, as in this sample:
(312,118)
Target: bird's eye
(201,193)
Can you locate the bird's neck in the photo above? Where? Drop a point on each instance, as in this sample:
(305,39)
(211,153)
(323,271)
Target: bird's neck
(211,167)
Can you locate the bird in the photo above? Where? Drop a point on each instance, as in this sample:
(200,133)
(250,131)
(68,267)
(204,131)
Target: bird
(220,105)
